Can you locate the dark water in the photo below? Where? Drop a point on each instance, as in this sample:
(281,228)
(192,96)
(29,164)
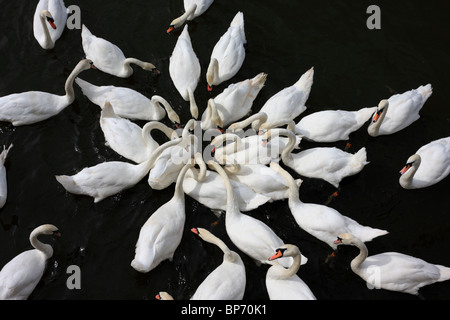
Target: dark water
(354,67)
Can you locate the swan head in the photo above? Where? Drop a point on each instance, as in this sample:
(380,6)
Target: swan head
(47,229)
(163,296)
(345,238)
(287,250)
(413,161)
(382,107)
(48,17)
(147,66)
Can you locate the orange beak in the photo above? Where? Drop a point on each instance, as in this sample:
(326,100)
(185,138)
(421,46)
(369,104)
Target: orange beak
(158,297)
(171,28)
(209,88)
(277,255)
(338,241)
(52,23)
(194,230)
(405,168)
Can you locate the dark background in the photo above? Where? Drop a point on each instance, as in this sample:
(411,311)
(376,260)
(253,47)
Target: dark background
(354,67)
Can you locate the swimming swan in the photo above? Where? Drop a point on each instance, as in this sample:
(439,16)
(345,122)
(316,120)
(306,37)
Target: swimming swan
(49,22)
(20,276)
(193,9)
(108,57)
(34,106)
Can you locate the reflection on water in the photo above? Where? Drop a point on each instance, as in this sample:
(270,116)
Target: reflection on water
(354,67)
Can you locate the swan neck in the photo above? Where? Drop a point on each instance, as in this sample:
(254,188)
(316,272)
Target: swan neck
(48,39)
(179,191)
(286,154)
(212,74)
(407,178)
(256,120)
(374,127)
(46,249)
(363,253)
(149,127)
(187,15)
(231,199)
(68,87)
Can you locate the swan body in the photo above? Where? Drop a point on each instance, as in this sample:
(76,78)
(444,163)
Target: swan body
(161,234)
(285,284)
(332,125)
(49,22)
(228,280)
(108,57)
(399,111)
(235,101)
(129,103)
(397,271)
(20,276)
(328,163)
(228,53)
(428,166)
(109,178)
(252,236)
(34,106)
(127,138)
(3,179)
(321,221)
(184,70)
(193,9)
(288,103)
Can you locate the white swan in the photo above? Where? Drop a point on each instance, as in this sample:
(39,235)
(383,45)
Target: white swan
(228,280)
(252,236)
(399,111)
(328,163)
(235,101)
(192,9)
(288,103)
(228,53)
(428,166)
(34,106)
(285,284)
(184,70)
(53,12)
(20,276)
(207,188)
(161,234)
(333,125)
(108,57)
(3,179)
(168,165)
(111,177)
(210,117)
(397,271)
(127,138)
(129,103)
(321,221)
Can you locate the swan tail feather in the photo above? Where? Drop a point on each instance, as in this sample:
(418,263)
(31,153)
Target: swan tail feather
(4,153)
(445,273)
(69,184)
(259,81)
(238,20)
(108,111)
(426,91)
(306,80)
(359,159)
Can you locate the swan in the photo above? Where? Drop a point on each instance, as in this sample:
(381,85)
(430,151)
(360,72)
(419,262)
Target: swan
(163,295)
(333,125)
(235,102)
(53,12)
(20,276)
(399,111)
(108,57)
(328,163)
(428,166)
(207,188)
(3,180)
(168,165)
(285,284)
(289,102)
(393,271)
(250,235)
(111,177)
(228,54)
(321,221)
(34,106)
(129,103)
(228,280)
(127,138)
(193,9)
(161,234)
(184,70)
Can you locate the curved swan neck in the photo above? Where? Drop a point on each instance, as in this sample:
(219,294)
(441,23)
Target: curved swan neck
(363,253)
(290,125)
(294,194)
(192,104)
(212,74)
(46,249)
(149,163)
(406,178)
(150,126)
(214,114)
(232,206)
(171,114)
(179,191)
(286,155)
(256,120)
(49,44)
(68,87)
(236,145)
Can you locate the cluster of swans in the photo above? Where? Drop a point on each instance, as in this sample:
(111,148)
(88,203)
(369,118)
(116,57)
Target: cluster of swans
(241,175)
